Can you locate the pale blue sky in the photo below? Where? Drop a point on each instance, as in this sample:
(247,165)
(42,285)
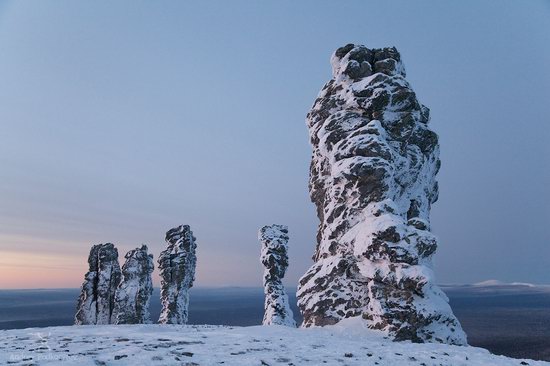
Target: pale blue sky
(120,120)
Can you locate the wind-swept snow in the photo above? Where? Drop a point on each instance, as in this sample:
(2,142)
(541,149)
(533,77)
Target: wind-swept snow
(166,345)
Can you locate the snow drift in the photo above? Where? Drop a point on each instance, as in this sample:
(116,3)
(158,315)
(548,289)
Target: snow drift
(167,345)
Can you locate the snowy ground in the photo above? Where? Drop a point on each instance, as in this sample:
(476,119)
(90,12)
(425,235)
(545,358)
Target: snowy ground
(217,345)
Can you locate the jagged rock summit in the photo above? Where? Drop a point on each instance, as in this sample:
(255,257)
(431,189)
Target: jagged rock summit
(96,304)
(372,179)
(177,271)
(135,290)
(274,257)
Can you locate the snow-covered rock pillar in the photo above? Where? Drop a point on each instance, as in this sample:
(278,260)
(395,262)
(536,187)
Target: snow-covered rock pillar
(372,178)
(134,292)
(177,270)
(96,304)
(274,257)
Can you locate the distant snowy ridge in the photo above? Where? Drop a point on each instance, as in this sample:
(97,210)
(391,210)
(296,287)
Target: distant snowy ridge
(496,287)
(496,284)
(348,343)
(500,283)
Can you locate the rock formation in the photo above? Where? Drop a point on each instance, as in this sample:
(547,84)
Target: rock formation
(274,257)
(177,270)
(372,179)
(134,292)
(96,304)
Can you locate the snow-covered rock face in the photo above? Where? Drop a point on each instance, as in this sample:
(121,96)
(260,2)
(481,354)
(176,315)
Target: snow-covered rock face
(177,271)
(274,257)
(134,292)
(372,178)
(96,304)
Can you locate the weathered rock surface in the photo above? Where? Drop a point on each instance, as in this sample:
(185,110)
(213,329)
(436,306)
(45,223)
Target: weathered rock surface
(274,257)
(177,271)
(96,304)
(134,292)
(372,179)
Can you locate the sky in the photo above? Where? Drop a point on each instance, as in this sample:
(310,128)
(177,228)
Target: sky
(120,120)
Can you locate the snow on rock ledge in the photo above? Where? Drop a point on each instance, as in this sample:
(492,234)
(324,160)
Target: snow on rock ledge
(96,304)
(274,257)
(135,290)
(170,345)
(372,178)
(177,271)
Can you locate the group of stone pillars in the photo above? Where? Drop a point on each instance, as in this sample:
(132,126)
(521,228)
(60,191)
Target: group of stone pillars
(372,180)
(110,295)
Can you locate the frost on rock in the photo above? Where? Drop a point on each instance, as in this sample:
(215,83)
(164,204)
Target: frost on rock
(274,257)
(96,304)
(134,292)
(372,179)
(177,271)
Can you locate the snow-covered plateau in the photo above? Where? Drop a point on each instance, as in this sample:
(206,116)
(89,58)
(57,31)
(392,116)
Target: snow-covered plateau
(346,343)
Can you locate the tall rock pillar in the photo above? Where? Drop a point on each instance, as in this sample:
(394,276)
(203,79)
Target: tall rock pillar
(274,257)
(134,292)
(177,271)
(96,304)
(372,179)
